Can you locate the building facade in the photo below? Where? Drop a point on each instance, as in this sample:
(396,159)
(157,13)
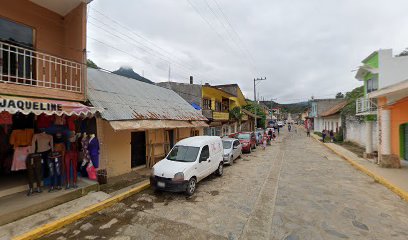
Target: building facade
(42,86)
(319,106)
(384,104)
(140,123)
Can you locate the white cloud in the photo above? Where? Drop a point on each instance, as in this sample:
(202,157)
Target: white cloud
(304,48)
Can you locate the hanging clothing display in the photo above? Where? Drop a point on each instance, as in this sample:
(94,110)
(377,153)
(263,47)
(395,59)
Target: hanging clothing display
(93,149)
(6,118)
(71,161)
(54,164)
(45,121)
(19,158)
(21,137)
(34,169)
(42,142)
(85,151)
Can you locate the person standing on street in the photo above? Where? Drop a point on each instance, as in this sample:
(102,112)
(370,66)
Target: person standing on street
(264,140)
(323,134)
(331,136)
(289,127)
(308,131)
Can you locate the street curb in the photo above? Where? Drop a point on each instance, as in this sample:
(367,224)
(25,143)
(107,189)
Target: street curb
(51,227)
(400,192)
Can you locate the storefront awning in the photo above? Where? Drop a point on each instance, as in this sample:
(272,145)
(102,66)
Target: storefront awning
(155,124)
(38,106)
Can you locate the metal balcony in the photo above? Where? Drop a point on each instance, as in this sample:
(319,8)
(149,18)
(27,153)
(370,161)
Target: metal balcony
(23,66)
(366,106)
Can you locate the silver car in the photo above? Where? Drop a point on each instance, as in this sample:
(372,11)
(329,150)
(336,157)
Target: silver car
(232,150)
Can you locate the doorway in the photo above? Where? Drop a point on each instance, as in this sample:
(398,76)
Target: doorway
(138,146)
(404,141)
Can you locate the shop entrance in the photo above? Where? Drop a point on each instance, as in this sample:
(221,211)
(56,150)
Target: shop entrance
(138,149)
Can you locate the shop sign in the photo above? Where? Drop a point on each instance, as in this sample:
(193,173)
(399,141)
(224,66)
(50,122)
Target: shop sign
(26,105)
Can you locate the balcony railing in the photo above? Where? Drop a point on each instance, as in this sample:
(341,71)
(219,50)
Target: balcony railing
(208,113)
(27,67)
(366,106)
(221,116)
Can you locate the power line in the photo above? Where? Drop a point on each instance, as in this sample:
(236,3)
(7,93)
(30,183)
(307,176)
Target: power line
(234,31)
(222,23)
(168,59)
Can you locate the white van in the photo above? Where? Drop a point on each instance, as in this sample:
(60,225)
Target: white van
(189,161)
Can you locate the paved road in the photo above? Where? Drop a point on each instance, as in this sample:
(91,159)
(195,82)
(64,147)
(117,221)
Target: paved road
(296,189)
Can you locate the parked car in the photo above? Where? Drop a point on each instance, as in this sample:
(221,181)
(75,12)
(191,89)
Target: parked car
(189,161)
(248,141)
(232,150)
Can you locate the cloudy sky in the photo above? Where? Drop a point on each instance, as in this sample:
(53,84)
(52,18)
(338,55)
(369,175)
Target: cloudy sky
(303,47)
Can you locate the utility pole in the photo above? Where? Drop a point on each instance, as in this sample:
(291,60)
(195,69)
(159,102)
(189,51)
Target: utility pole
(256,81)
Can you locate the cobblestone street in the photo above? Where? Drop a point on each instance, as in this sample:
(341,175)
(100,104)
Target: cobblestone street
(295,189)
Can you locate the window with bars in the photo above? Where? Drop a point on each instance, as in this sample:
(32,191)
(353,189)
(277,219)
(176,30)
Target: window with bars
(206,104)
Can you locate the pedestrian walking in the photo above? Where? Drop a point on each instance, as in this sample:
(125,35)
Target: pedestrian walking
(278,128)
(308,131)
(264,140)
(323,134)
(289,127)
(331,136)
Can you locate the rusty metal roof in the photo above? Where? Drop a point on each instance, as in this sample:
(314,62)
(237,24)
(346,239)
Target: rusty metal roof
(124,98)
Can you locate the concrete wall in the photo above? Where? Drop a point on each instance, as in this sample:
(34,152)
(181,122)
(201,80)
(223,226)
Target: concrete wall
(332,122)
(392,69)
(192,93)
(399,116)
(356,132)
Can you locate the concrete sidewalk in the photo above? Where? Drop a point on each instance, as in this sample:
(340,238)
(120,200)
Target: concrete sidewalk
(397,178)
(80,206)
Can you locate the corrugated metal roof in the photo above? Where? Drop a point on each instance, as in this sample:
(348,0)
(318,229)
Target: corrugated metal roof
(125,99)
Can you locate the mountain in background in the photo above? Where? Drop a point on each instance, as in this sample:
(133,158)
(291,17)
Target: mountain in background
(128,72)
(290,107)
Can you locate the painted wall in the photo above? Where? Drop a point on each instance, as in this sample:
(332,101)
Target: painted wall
(115,150)
(63,37)
(399,115)
(356,132)
(392,69)
(330,123)
(115,147)
(54,34)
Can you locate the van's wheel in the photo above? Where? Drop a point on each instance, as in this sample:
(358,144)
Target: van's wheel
(191,186)
(220,170)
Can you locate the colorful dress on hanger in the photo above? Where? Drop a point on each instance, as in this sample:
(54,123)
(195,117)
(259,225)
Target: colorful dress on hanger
(93,149)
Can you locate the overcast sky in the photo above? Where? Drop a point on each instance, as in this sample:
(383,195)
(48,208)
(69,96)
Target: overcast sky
(302,47)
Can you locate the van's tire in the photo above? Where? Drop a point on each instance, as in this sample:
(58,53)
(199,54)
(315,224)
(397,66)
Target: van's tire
(191,186)
(220,170)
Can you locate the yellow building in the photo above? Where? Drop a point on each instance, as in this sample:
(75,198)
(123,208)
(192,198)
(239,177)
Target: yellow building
(218,101)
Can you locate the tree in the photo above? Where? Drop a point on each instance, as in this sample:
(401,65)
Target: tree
(255,107)
(91,64)
(339,95)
